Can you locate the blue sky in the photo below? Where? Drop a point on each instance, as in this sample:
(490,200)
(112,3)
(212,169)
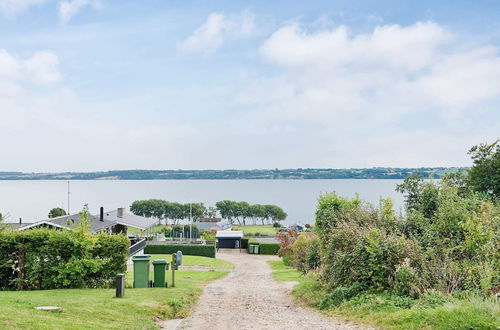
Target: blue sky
(100,84)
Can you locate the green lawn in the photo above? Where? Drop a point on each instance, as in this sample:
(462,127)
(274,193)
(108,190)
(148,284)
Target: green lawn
(266,230)
(156,229)
(196,261)
(98,309)
(282,272)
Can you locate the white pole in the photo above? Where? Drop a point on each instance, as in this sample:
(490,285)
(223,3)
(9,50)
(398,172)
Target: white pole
(68,198)
(190,221)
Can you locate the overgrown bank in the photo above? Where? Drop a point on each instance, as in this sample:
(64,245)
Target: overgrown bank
(436,266)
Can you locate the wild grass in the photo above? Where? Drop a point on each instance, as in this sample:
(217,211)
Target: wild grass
(99,309)
(431,311)
(135,231)
(282,272)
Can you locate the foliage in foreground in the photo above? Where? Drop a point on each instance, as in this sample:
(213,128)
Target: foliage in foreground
(445,249)
(432,310)
(48,259)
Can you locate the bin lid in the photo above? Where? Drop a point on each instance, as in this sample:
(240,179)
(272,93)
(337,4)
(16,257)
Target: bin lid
(159,262)
(144,257)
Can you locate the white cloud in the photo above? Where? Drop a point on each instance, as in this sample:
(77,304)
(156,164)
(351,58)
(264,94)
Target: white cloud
(389,72)
(14,7)
(39,69)
(69,8)
(219,27)
(42,68)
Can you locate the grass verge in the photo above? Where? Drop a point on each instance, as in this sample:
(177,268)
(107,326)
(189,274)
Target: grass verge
(196,261)
(98,309)
(431,311)
(282,272)
(259,230)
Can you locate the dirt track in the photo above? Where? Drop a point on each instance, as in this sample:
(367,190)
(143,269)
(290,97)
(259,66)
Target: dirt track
(249,298)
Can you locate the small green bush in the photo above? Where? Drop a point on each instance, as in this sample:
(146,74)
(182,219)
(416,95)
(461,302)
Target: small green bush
(192,250)
(339,295)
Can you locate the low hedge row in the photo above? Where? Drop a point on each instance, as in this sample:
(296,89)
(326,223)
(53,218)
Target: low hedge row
(191,250)
(52,259)
(244,243)
(269,248)
(264,248)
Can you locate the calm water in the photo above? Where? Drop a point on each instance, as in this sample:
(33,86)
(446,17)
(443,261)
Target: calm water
(32,200)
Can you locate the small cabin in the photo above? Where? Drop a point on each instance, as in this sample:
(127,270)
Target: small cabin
(229,239)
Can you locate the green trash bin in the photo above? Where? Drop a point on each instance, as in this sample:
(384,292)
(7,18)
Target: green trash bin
(251,249)
(256,249)
(141,271)
(159,266)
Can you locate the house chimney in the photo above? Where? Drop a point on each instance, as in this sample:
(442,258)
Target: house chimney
(101,214)
(121,212)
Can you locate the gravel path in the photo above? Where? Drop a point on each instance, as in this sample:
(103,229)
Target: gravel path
(249,298)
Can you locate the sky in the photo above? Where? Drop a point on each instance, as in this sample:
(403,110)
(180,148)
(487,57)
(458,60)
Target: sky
(89,85)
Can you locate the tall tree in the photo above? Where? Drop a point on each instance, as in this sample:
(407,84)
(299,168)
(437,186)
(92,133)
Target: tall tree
(484,176)
(226,210)
(56,212)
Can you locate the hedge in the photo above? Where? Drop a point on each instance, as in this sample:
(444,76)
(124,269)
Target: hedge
(244,243)
(52,259)
(192,250)
(269,248)
(264,248)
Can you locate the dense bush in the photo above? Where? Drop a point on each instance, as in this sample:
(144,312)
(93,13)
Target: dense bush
(49,259)
(192,250)
(447,241)
(286,239)
(305,252)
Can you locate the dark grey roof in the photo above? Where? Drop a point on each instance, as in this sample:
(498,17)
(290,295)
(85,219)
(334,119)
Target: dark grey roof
(72,221)
(130,220)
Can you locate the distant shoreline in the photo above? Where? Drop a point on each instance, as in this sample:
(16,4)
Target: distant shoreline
(276,174)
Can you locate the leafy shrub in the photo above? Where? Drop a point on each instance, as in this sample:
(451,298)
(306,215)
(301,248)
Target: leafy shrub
(208,236)
(192,250)
(304,254)
(432,299)
(339,295)
(166,230)
(276,225)
(406,281)
(49,259)
(286,239)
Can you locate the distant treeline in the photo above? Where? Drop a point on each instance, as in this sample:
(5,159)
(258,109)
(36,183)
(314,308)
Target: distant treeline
(276,174)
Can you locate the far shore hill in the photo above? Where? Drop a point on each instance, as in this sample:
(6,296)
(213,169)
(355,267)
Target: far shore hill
(233,174)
